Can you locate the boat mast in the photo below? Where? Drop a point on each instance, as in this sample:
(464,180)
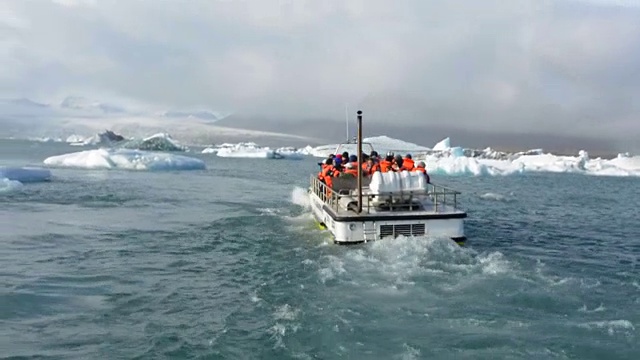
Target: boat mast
(359,161)
(346,114)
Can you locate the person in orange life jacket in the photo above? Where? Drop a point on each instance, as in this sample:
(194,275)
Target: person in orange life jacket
(345,156)
(421,167)
(329,171)
(369,166)
(397,163)
(324,167)
(386,165)
(408,163)
(351,169)
(337,164)
(353,160)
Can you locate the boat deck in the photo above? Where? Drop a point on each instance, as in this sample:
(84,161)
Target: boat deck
(341,201)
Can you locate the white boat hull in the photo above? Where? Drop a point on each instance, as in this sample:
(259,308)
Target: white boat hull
(369,228)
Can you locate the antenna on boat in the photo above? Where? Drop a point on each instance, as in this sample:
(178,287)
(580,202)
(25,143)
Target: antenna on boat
(359,153)
(346,114)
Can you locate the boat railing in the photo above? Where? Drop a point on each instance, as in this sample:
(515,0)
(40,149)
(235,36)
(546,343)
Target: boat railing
(440,196)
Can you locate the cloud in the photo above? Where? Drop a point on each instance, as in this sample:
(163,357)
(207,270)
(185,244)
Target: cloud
(568,66)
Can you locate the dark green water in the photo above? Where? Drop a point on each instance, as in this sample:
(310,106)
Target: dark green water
(227,263)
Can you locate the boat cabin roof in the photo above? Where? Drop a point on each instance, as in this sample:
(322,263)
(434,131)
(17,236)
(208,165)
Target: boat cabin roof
(352,148)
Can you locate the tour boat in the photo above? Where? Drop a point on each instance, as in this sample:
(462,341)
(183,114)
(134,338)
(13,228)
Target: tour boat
(384,205)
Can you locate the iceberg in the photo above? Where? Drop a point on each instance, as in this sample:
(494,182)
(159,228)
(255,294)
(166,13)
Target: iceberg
(444,159)
(253,150)
(12,178)
(581,164)
(382,144)
(7,185)
(444,144)
(157,142)
(125,159)
(106,138)
(25,174)
(289,153)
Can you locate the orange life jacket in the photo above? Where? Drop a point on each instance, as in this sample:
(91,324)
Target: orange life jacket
(370,169)
(328,171)
(408,164)
(385,166)
(352,171)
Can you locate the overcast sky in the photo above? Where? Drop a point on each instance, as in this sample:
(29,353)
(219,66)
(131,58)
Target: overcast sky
(563,66)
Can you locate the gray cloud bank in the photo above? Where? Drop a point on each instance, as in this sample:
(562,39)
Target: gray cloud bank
(570,68)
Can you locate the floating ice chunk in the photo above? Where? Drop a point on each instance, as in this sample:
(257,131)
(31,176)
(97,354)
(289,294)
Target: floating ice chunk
(265,153)
(444,144)
(289,153)
(7,185)
(125,159)
(25,174)
(457,152)
(75,139)
(157,142)
(253,150)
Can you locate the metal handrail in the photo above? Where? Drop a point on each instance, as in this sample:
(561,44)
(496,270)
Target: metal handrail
(439,194)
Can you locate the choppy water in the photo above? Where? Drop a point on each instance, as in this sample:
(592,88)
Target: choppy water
(225,263)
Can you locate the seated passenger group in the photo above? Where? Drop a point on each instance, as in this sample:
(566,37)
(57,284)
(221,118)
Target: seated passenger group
(337,165)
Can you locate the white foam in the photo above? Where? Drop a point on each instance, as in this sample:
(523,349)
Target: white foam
(299,196)
(125,159)
(611,326)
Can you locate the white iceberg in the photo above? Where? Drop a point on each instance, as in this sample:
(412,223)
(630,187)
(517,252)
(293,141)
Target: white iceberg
(289,153)
(7,185)
(12,178)
(25,174)
(444,144)
(253,150)
(444,159)
(381,144)
(106,138)
(74,139)
(581,164)
(157,142)
(125,159)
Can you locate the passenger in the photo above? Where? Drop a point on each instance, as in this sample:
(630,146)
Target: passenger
(422,168)
(408,163)
(397,163)
(337,164)
(351,169)
(386,165)
(345,156)
(328,173)
(325,169)
(353,160)
(370,166)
